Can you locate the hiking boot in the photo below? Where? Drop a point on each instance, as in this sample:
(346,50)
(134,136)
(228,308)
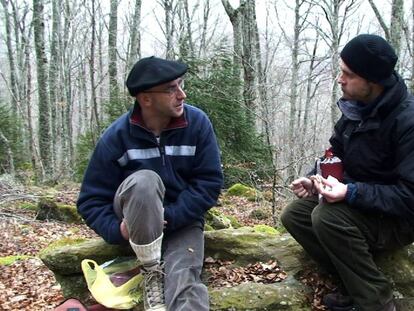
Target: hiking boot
(154,299)
(339,302)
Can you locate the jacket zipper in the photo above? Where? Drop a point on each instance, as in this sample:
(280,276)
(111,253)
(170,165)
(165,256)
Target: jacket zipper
(162,150)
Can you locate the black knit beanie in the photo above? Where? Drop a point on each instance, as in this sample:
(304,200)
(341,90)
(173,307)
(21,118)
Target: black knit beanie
(152,71)
(372,58)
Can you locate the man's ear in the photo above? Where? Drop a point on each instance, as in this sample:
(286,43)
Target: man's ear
(144,99)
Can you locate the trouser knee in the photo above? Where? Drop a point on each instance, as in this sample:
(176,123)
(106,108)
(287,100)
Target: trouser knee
(145,183)
(139,201)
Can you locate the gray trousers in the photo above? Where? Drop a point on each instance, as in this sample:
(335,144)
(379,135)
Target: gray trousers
(344,240)
(139,200)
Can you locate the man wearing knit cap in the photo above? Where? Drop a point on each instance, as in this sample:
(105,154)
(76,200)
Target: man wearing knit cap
(372,208)
(154,173)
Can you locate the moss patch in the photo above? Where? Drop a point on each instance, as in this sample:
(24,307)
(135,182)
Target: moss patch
(243,191)
(28,206)
(63,242)
(265,229)
(9,260)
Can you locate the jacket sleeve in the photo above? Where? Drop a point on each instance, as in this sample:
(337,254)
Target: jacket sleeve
(397,198)
(95,202)
(204,186)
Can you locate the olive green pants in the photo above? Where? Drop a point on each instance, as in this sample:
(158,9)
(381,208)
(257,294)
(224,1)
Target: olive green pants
(344,241)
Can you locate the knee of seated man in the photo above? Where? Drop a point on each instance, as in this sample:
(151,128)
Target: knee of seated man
(145,179)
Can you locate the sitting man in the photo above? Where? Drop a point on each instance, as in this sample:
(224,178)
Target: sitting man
(154,173)
(373,208)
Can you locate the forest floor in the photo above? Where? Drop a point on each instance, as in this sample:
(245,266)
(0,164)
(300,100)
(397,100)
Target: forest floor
(27,284)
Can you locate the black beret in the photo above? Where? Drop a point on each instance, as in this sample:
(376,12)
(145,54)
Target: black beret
(151,71)
(372,58)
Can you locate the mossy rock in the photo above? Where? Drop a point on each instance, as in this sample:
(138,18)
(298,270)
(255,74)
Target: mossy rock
(64,256)
(259,214)
(248,245)
(287,295)
(73,286)
(217,220)
(234,222)
(241,190)
(48,209)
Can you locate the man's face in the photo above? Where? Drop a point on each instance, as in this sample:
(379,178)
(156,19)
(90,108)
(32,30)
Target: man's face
(168,98)
(353,86)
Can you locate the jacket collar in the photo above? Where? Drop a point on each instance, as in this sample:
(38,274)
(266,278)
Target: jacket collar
(390,99)
(136,120)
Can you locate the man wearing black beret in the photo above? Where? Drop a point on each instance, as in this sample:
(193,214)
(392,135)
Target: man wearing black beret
(154,173)
(372,208)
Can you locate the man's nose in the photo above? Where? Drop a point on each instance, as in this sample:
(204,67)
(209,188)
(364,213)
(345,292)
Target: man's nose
(181,93)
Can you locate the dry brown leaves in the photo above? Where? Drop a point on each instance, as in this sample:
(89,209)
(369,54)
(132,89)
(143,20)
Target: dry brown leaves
(321,285)
(223,274)
(28,285)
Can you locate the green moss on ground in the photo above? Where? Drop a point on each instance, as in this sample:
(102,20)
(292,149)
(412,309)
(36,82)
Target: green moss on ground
(9,260)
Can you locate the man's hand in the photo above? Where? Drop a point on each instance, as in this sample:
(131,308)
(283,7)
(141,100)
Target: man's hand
(124,230)
(302,187)
(331,189)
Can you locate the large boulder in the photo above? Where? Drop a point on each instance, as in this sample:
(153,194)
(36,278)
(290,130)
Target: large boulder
(244,245)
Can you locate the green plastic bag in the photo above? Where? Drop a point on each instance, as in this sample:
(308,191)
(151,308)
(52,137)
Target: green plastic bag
(114,284)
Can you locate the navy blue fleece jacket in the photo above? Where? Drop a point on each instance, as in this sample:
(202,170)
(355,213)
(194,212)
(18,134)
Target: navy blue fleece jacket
(186,158)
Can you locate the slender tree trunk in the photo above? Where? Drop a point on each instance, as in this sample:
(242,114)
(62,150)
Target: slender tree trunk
(9,152)
(134,52)
(11,57)
(114,103)
(294,91)
(397,23)
(250,91)
(34,153)
(44,107)
(412,48)
(54,80)
(169,28)
(334,61)
(235,16)
(206,15)
(95,122)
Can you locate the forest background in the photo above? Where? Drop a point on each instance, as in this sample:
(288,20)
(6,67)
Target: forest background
(264,71)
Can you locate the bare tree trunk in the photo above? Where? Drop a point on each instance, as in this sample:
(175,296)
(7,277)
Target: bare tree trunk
(134,52)
(293,98)
(10,54)
(44,107)
(236,19)
(114,102)
(380,20)
(184,36)
(169,27)
(95,122)
(206,15)
(10,159)
(397,24)
(54,80)
(34,152)
(336,13)
(412,48)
